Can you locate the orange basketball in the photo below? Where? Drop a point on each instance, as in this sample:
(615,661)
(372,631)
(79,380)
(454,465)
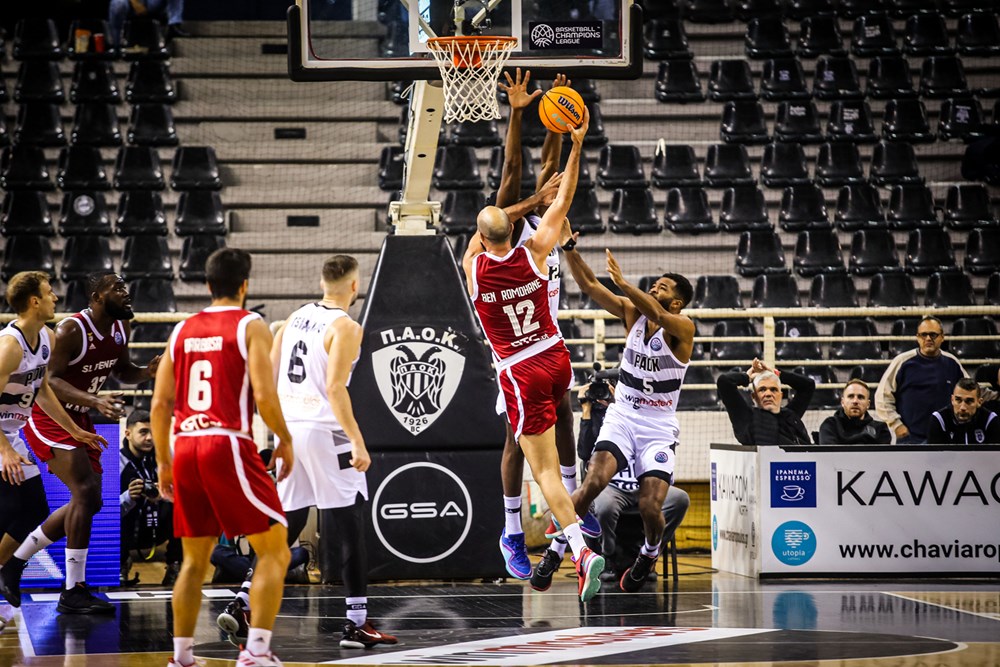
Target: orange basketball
(561,109)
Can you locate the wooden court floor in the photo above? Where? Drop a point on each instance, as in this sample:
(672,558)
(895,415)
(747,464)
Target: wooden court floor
(707,619)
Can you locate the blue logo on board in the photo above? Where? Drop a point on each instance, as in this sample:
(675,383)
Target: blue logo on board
(715,487)
(715,533)
(793,484)
(793,543)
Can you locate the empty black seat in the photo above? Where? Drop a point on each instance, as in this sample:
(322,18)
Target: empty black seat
(730,80)
(194,251)
(904,8)
(80,168)
(889,78)
(978,34)
(532,131)
(873,251)
(96,124)
(36,39)
(94,81)
(89,50)
(838,164)
(982,251)
(674,166)
(200,212)
(39,124)
(633,212)
(911,205)
(138,168)
(76,298)
(760,252)
(146,257)
(943,76)
(39,81)
(26,252)
(873,36)
(143,39)
(620,166)
(802,9)
(585,212)
(149,82)
(84,212)
(595,133)
(928,251)
(817,251)
(743,209)
(153,296)
(836,78)
(478,134)
(583,179)
(926,34)
(459,211)
(783,79)
(783,164)
(858,206)
(833,290)
(968,206)
(871,374)
(775,290)
(948,288)
(665,39)
(678,81)
(961,119)
(717,292)
(819,35)
(904,326)
(786,350)
(803,207)
(748,9)
(390,168)
(495,174)
(727,165)
(735,350)
(993,291)
(23,167)
(894,162)
(842,350)
(84,255)
(850,120)
(196,168)
(891,290)
(709,11)
(767,37)
(688,211)
(743,122)
(152,125)
(797,122)
(456,168)
(25,212)
(975,349)
(141,212)
(906,120)
(699,399)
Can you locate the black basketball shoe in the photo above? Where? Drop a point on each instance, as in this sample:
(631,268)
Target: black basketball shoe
(79,600)
(364,636)
(235,622)
(10,580)
(541,578)
(634,577)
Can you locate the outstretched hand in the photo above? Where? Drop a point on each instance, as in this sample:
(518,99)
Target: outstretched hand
(614,270)
(549,191)
(517,89)
(578,133)
(566,233)
(561,80)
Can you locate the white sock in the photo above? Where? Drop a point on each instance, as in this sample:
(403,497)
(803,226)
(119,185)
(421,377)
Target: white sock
(512,514)
(244,594)
(568,477)
(76,567)
(357,610)
(559,546)
(259,641)
(650,550)
(574,536)
(35,542)
(184,650)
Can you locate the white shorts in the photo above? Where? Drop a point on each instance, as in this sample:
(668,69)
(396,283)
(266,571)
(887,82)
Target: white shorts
(642,437)
(322,475)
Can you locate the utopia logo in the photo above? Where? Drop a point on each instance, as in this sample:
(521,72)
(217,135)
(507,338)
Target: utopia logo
(794,543)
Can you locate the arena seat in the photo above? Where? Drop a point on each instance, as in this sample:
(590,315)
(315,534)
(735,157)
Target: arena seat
(870,374)
(709,11)
(891,290)
(96,124)
(390,168)
(478,134)
(395,42)
(196,168)
(152,125)
(767,37)
(783,164)
(967,206)
(911,205)
(852,9)
(893,162)
(833,290)
(39,124)
(459,210)
(961,119)
(873,251)
(794,328)
(783,79)
(901,9)
(956,8)
(143,39)
(803,207)
(797,122)
(138,168)
(675,166)
(730,80)
(147,332)
(140,212)
(817,251)
(717,292)
(982,251)
(194,252)
(743,123)
(80,168)
(993,290)
(94,81)
(866,349)
(943,76)
(146,257)
(802,9)
(678,81)
(978,34)
(850,120)
(76,298)
(760,252)
(585,212)
(26,252)
(84,212)
(975,349)
(929,251)
(873,34)
(889,78)
(818,35)
(838,164)
(749,9)
(587,303)
(948,287)
(633,211)
(822,398)
(23,167)
(94,26)
(36,39)
(149,82)
(620,166)
(571,329)
(200,212)
(25,212)
(775,290)
(836,78)
(596,135)
(39,81)
(665,39)
(904,326)
(84,255)
(727,165)
(3,90)
(699,399)
(743,209)
(906,120)
(688,211)
(735,350)
(495,173)
(925,35)
(583,179)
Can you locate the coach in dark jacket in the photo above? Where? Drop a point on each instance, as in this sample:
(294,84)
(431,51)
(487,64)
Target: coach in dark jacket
(851,424)
(965,422)
(766,422)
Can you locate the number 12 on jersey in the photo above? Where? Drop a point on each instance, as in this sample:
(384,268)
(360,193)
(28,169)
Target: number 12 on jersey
(525,325)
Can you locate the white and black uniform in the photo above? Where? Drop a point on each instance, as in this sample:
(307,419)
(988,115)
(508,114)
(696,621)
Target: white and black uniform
(19,395)
(322,475)
(641,424)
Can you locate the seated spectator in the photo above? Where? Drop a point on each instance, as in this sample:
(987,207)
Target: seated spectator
(766,422)
(964,422)
(851,424)
(989,375)
(147,519)
(120,11)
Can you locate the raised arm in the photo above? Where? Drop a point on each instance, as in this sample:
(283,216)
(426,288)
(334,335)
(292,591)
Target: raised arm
(803,389)
(543,197)
(552,146)
(518,98)
(618,306)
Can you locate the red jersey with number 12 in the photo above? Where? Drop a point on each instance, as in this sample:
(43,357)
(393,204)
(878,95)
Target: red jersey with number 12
(211,377)
(511,298)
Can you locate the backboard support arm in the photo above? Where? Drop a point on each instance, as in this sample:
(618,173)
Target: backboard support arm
(415,214)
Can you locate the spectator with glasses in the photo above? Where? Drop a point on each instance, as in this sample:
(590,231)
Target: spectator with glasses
(916,383)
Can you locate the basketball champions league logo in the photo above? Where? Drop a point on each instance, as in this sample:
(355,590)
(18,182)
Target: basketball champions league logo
(418,370)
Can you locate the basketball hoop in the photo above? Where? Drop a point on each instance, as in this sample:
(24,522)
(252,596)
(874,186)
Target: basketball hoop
(470,69)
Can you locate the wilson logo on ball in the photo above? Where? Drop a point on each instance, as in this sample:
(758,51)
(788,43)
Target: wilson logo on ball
(570,107)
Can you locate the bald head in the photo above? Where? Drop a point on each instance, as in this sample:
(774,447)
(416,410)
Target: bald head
(494,225)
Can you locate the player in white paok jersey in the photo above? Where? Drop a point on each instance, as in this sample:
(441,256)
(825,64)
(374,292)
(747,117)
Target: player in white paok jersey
(641,425)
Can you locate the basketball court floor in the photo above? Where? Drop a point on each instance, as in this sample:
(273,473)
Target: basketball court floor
(707,618)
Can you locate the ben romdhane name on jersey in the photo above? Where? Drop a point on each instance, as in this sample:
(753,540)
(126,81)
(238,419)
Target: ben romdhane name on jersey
(513,293)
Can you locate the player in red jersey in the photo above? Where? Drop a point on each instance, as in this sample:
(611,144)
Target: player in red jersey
(508,286)
(90,346)
(217,363)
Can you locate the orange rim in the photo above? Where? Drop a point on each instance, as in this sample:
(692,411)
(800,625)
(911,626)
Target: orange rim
(454,44)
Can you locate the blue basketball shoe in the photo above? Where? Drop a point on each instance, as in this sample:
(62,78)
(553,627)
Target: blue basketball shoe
(515,555)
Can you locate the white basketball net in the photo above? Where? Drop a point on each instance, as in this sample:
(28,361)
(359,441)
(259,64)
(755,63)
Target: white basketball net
(470,69)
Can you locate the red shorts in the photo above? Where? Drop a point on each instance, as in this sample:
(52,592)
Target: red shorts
(221,485)
(533,388)
(43,435)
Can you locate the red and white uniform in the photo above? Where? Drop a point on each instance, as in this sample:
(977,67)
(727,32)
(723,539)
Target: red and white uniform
(220,483)
(510,295)
(87,372)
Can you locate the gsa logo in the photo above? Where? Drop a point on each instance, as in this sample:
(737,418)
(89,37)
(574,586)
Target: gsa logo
(793,484)
(793,543)
(715,533)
